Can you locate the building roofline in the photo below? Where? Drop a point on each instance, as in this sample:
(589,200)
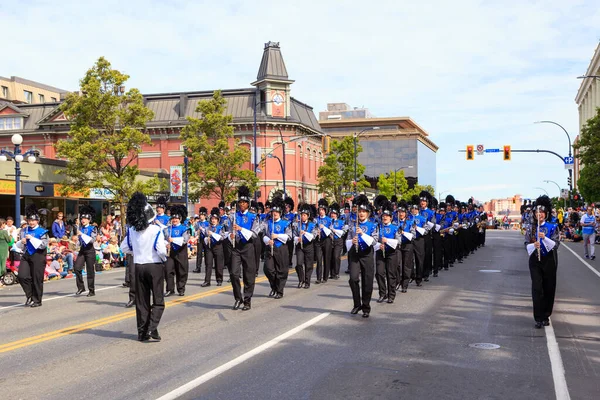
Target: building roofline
(34,83)
(340,123)
(585,83)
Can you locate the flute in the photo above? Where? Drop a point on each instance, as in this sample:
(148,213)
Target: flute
(381,239)
(170,237)
(272,240)
(232,218)
(356,229)
(302,236)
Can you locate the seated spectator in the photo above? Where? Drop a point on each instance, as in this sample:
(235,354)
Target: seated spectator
(54,269)
(112,251)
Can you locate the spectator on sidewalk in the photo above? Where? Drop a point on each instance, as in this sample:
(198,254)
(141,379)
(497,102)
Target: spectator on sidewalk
(58,226)
(588,228)
(11,228)
(5,241)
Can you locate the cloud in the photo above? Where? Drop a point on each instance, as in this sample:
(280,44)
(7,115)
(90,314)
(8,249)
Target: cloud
(469,72)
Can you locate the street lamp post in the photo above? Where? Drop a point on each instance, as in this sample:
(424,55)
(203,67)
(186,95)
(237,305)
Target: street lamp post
(185,164)
(441,194)
(356,135)
(396,171)
(18,157)
(282,165)
(559,191)
(545,191)
(570,146)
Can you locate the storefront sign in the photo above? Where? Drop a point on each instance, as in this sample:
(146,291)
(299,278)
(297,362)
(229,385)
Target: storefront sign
(7,187)
(103,194)
(176,181)
(37,189)
(72,195)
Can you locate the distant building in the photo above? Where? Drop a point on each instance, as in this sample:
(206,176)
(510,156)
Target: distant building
(23,91)
(502,207)
(588,100)
(388,143)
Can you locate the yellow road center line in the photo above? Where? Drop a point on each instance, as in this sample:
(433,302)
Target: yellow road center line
(103,321)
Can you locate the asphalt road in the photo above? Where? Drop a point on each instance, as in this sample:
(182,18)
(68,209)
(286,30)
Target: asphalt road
(418,347)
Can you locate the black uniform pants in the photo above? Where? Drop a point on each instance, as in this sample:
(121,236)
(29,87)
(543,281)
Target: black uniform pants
(419,251)
(277,267)
(323,255)
(427,255)
(447,247)
(305,259)
(405,263)
(543,284)
(199,254)
(87,257)
(227,251)
(257,249)
(31,274)
(461,244)
(176,269)
(149,282)
(362,268)
(131,275)
(337,245)
(386,269)
(454,247)
(242,257)
(290,246)
(214,258)
(438,252)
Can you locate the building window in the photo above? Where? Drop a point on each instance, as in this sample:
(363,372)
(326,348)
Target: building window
(11,123)
(4,92)
(28,96)
(42,98)
(53,99)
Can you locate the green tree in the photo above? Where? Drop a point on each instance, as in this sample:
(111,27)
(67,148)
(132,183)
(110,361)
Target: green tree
(589,183)
(589,155)
(106,135)
(417,190)
(216,161)
(336,175)
(386,182)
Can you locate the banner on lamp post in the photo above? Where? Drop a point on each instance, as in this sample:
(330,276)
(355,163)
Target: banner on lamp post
(176,181)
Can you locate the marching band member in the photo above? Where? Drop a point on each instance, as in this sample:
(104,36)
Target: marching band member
(33,242)
(339,229)
(305,230)
(245,228)
(227,247)
(543,239)
(277,231)
(214,234)
(177,236)
(483,218)
(386,256)
(87,254)
(419,223)
(258,244)
(290,216)
(162,220)
(323,242)
(146,242)
(361,239)
(437,240)
(425,201)
(198,226)
(406,257)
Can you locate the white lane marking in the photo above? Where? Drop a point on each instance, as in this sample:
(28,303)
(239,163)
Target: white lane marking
(558,370)
(237,361)
(582,260)
(58,297)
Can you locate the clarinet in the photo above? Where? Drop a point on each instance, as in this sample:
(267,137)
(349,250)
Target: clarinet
(356,230)
(232,219)
(381,239)
(272,240)
(302,236)
(539,250)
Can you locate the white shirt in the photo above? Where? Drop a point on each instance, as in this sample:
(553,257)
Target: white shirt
(147,246)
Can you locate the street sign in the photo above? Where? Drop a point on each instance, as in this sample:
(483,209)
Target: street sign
(480,149)
(258,171)
(569,162)
(492,150)
(564,193)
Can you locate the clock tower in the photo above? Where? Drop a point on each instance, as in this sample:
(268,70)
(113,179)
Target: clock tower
(272,84)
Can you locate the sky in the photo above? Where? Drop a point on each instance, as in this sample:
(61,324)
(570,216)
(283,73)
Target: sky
(468,72)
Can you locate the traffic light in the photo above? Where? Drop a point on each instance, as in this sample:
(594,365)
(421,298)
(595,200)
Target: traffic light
(569,181)
(514,200)
(575,197)
(470,155)
(326,143)
(506,153)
